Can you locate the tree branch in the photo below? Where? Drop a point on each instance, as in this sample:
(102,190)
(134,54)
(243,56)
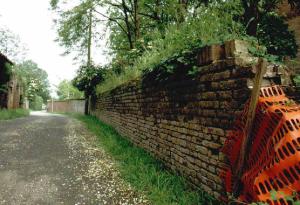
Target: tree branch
(113,20)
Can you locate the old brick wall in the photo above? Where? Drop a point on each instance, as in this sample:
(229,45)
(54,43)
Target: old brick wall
(183,120)
(75,106)
(14,93)
(4,79)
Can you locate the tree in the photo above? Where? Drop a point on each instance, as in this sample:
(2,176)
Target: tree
(76,28)
(65,90)
(273,32)
(11,46)
(130,22)
(87,78)
(255,10)
(35,80)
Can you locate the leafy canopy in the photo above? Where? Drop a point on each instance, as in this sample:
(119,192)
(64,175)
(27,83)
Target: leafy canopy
(146,34)
(66,90)
(35,80)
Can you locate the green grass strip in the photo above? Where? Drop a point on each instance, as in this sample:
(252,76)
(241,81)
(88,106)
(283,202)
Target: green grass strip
(12,114)
(144,172)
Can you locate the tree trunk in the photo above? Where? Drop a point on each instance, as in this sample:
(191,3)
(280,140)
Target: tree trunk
(251,16)
(182,10)
(129,36)
(137,20)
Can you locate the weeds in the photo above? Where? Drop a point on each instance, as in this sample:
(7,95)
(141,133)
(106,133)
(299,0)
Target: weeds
(144,172)
(12,114)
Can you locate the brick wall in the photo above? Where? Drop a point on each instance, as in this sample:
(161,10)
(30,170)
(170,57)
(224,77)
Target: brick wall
(75,106)
(14,93)
(183,120)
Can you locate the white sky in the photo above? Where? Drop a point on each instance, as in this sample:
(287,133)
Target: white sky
(33,22)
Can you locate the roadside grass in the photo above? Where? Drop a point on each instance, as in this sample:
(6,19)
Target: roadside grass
(12,114)
(146,174)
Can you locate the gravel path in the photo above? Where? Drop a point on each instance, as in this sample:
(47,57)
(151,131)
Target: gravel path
(52,159)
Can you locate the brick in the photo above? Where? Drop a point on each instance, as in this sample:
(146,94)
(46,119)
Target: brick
(184,122)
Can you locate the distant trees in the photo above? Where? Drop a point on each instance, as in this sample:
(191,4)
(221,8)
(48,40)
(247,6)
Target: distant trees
(35,81)
(66,90)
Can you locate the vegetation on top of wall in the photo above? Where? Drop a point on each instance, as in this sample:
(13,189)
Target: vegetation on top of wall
(180,42)
(145,35)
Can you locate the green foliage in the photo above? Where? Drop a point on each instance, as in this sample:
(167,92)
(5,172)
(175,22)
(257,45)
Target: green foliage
(277,195)
(146,35)
(256,10)
(65,90)
(297,80)
(177,41)
(36,103)
(12,114)
(77,27)
(87,78)
(142,171)
(273,32)
(35,80)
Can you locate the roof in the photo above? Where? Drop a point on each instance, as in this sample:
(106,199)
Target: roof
(5,59)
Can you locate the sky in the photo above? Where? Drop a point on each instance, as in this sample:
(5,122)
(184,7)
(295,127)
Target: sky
(32,20)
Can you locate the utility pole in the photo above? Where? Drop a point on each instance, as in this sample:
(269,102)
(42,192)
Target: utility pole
(89,39)
(89,59)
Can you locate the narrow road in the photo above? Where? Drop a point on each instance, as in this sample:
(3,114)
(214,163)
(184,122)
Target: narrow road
(53,159)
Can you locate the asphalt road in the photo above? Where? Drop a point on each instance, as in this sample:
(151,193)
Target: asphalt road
(53,159)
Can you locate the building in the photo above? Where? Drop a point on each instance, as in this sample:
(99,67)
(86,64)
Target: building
(11,90)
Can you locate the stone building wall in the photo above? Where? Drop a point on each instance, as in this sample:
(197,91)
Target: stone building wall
(11,90)
(183,120)
(14,93)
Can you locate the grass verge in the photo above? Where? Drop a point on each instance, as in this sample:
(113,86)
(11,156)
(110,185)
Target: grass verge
(144,172)
(12,114)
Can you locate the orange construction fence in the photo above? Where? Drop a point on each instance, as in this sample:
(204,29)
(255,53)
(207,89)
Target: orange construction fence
(272,170)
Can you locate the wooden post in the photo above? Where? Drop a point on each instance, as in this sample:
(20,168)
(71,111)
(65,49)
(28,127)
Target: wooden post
(246,143)
(52,104)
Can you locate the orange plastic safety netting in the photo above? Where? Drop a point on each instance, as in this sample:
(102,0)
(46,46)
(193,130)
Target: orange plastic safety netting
(273,161)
